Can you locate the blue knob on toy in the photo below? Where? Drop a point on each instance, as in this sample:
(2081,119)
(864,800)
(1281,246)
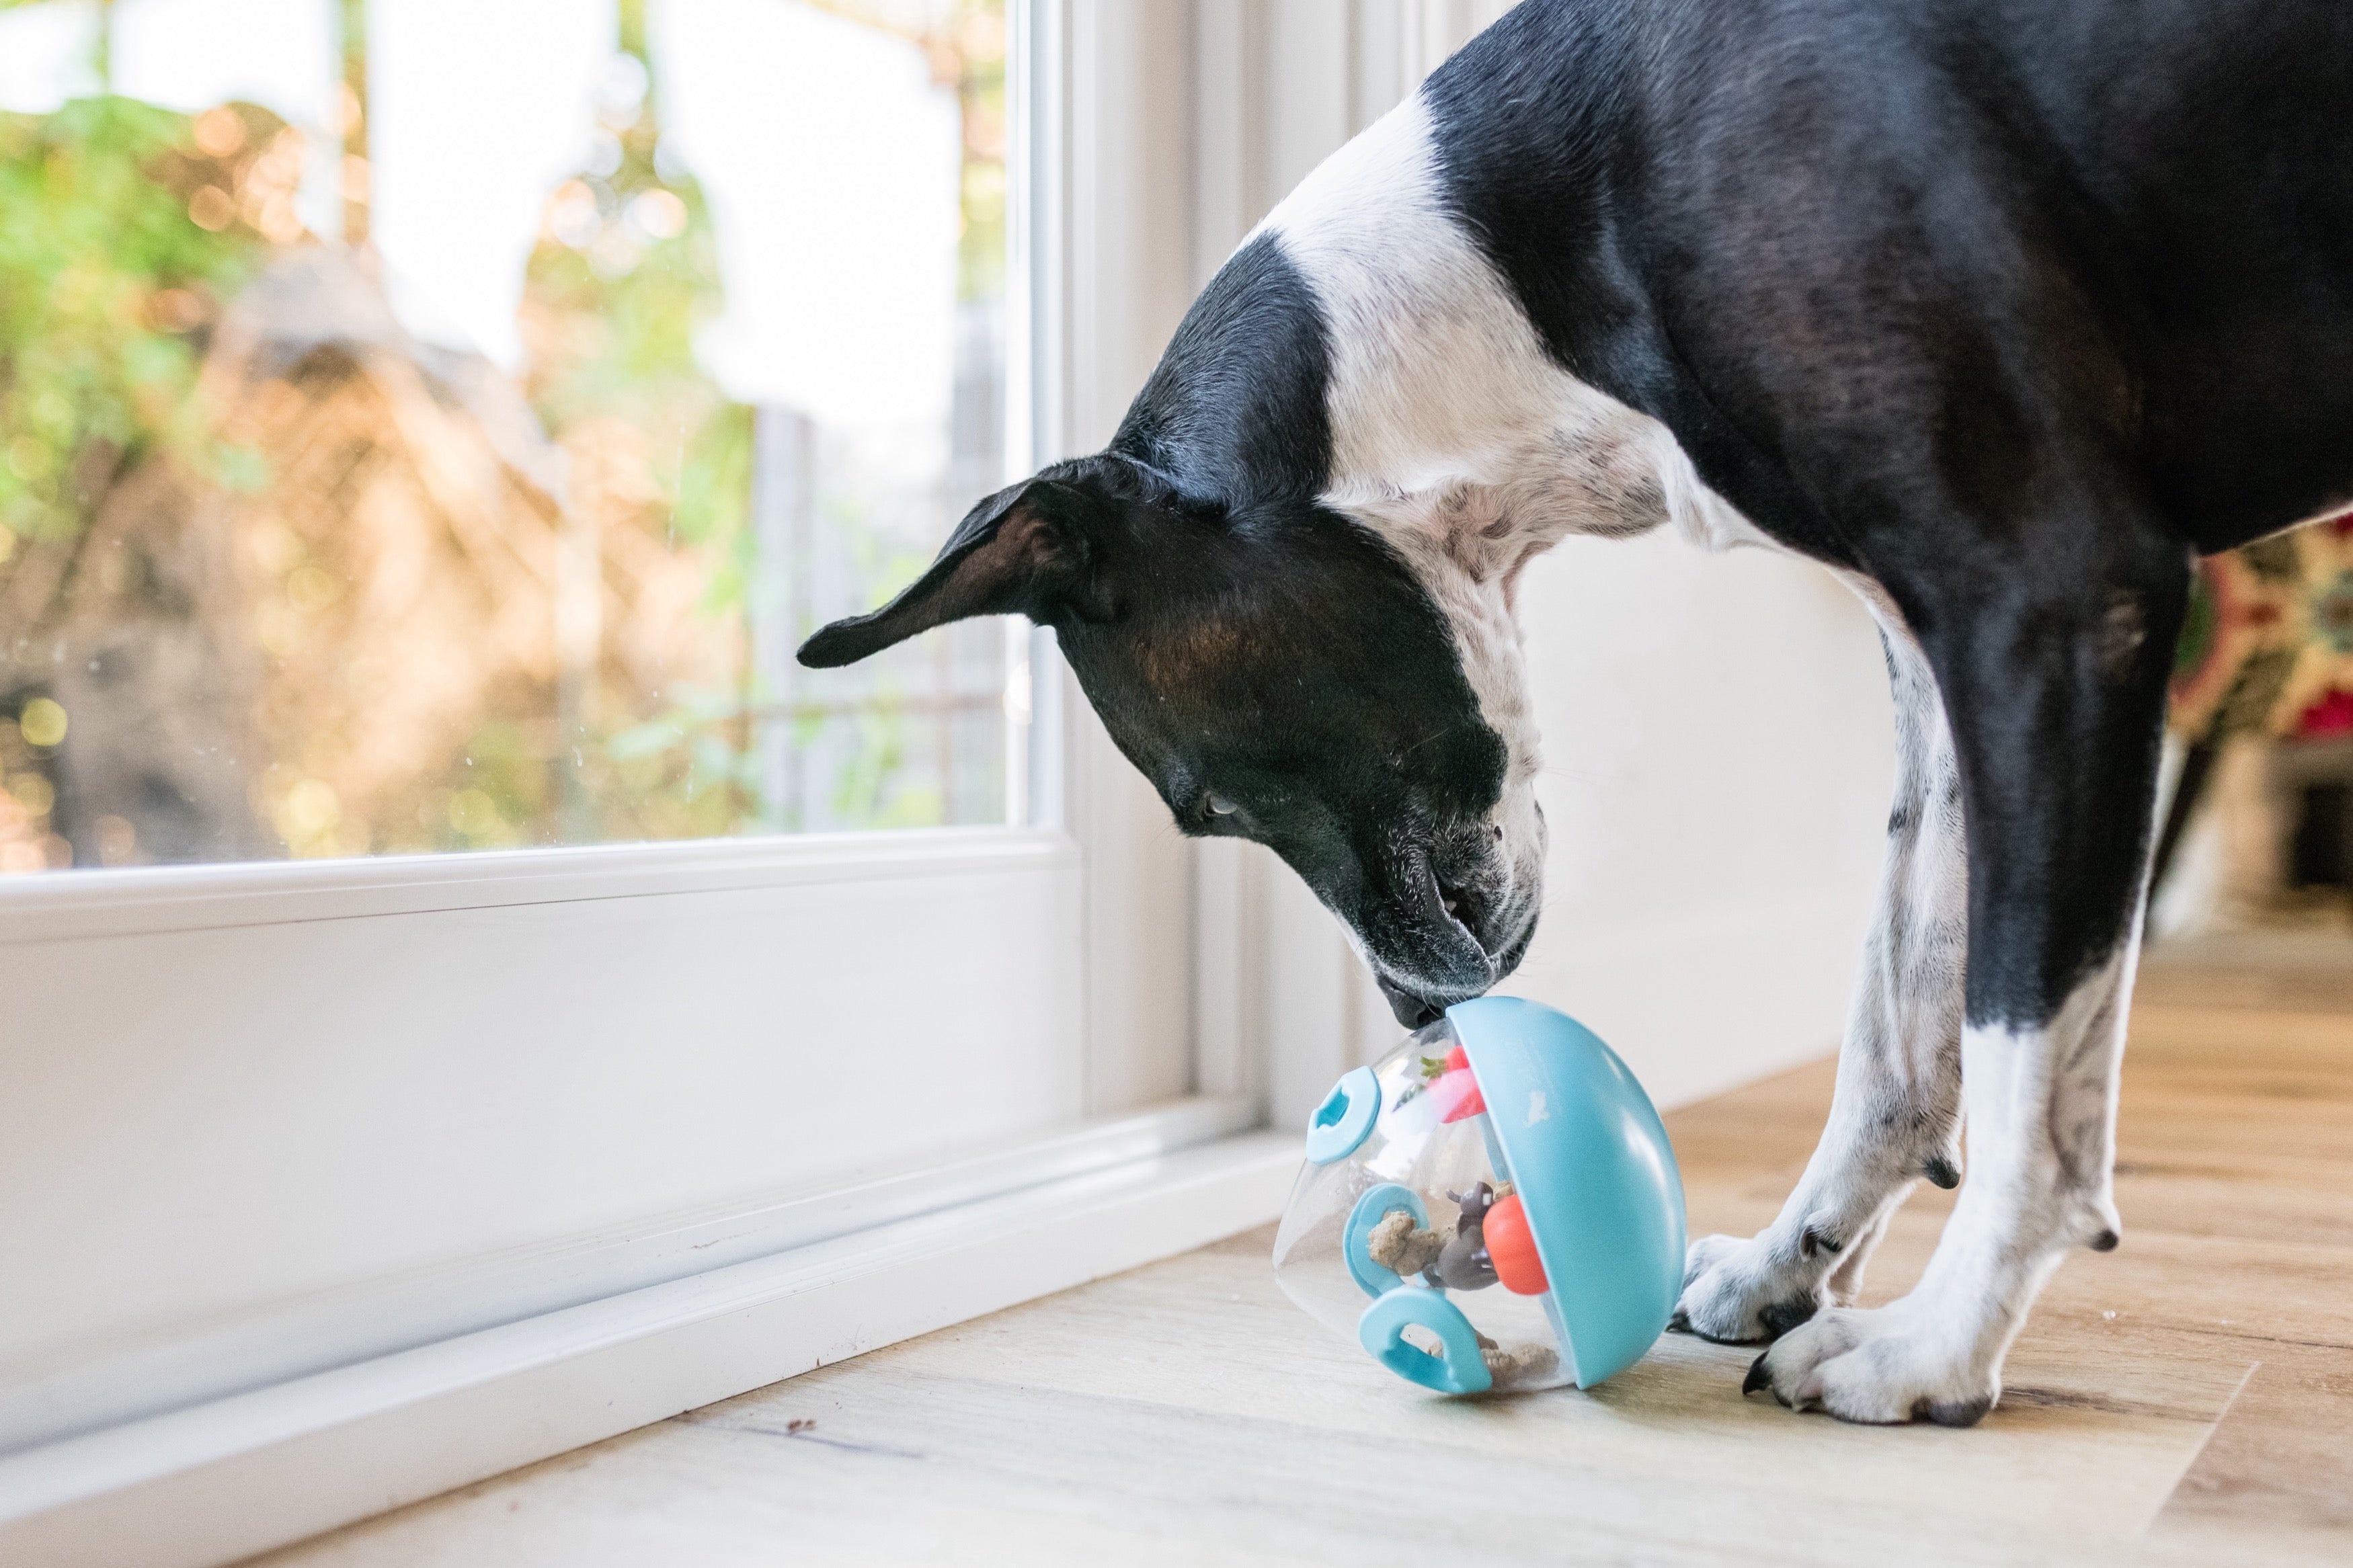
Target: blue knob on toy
(1556,1252)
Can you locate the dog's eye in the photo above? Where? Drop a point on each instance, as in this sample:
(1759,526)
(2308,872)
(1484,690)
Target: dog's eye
(1219,806)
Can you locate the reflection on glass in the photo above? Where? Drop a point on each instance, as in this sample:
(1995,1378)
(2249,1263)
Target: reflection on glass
(432,426)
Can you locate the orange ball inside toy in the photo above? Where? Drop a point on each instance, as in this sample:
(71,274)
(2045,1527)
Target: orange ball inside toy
(1512,1249)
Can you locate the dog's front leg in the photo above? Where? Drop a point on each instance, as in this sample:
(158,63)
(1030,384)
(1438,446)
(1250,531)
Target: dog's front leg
(2055,689)
(1895,1112)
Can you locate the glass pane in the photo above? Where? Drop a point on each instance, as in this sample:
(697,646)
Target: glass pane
(431,424)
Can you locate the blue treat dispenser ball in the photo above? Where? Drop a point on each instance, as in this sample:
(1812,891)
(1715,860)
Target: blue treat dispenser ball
(1493,1206)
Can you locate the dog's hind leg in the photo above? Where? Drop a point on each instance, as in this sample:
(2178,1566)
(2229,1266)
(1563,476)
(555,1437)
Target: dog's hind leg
(2055,679)
(1896,1114)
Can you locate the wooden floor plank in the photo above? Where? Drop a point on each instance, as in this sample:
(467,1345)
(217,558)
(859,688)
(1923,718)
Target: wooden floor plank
(2186,1399)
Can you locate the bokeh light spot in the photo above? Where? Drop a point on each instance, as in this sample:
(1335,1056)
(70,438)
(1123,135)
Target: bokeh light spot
(219,132)
(473,813)
(43,721)
(34,793)
(211,209)
(311,808)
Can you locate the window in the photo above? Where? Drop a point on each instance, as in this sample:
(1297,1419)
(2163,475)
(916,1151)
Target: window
(405,452)
(678,1077)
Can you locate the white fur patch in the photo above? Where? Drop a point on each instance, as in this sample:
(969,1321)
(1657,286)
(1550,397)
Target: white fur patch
(1455,437)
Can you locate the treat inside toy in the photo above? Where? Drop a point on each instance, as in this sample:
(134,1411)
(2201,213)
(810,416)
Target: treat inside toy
(1493,1206)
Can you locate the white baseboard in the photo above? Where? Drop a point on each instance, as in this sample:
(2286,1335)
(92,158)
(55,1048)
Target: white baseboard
(241,1474)
(91,1388)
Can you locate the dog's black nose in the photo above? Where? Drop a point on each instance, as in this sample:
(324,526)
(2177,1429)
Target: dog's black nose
(1411,1011)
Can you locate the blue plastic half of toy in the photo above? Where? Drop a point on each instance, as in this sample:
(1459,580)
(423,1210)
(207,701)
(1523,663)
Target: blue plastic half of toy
(1355,1240)
(1595,1173)
(1346,1118)
(1459,1368)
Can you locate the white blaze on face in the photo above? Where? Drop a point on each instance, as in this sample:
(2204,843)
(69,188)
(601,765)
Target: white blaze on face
(1455,436)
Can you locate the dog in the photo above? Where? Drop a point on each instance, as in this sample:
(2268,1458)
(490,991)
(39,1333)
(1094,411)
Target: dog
(2001,309)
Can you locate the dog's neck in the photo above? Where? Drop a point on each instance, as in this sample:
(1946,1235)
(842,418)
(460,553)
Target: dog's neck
(1453,432)
(1361,350)
(1454,436)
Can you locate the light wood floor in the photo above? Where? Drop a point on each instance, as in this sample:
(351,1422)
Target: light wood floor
(2186,1399)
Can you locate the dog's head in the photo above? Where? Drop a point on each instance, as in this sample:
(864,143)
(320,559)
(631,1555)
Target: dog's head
(1279,674)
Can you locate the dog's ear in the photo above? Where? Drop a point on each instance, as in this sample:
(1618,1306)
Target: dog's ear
(1031,549)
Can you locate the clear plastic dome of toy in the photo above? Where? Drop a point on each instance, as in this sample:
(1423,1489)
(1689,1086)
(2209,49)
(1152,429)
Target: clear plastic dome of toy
(1494,1206)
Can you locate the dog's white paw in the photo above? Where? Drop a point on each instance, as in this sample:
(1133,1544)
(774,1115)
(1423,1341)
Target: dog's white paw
(1740,1290)
(1883,1366)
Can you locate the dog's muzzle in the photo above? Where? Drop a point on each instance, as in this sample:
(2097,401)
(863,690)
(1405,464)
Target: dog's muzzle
(1413,1012)
(1498,933)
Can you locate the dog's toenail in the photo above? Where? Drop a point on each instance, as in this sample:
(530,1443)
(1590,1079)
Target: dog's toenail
(1941,1172)
(1757,1378)
(2106,1241)
(1812,1240)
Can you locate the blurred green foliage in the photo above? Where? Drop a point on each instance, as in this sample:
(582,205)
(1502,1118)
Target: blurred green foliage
(124,241)
(980,38)
(627,272)
(107,286)
(623,299)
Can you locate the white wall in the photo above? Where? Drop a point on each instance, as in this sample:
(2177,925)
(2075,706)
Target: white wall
(1717,764)
(1716,728)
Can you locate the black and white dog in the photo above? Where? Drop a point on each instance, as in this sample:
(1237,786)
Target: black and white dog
(2003,310)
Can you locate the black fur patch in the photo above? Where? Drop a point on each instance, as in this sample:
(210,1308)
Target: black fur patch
(1779,1317)
(1951,1412)
(1234,412)
(1285,661)
(1535,149)
(1787,230)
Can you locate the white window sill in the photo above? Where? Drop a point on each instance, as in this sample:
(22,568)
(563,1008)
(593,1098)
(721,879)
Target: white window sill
(148,900)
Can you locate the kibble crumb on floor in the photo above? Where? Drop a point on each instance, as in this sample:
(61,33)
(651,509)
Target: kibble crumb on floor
(2186,1399)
